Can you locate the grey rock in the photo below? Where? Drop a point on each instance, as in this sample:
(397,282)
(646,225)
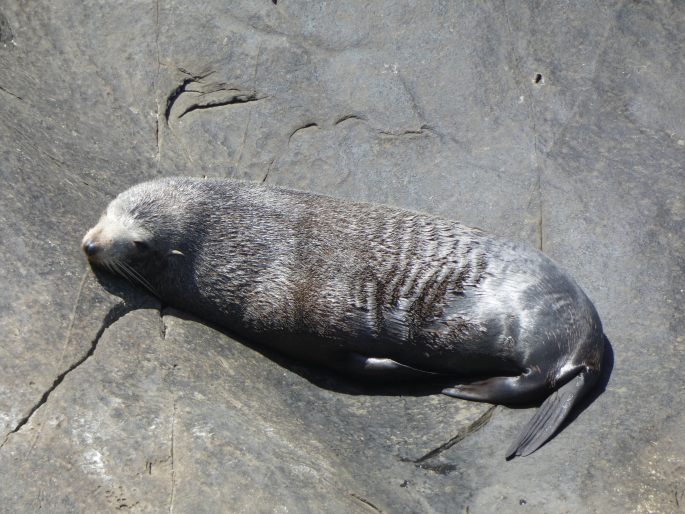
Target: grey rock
(561,124)
(5,30)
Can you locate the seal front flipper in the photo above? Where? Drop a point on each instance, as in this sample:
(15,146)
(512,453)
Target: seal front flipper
(380,367)
(551,415)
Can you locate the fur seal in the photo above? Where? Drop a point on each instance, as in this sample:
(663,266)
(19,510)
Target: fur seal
(366,289)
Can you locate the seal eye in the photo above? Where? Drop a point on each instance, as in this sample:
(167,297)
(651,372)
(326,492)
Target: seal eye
(141,246)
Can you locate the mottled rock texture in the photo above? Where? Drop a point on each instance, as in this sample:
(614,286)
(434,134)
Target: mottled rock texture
(559,123)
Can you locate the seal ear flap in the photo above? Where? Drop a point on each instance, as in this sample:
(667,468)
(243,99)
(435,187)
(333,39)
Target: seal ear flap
(550,415)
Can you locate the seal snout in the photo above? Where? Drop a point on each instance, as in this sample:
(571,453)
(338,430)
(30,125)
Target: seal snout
(93,244)
(90,248)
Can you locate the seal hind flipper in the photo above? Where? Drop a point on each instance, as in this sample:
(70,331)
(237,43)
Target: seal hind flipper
(517,389)
(379,367)
(550,415)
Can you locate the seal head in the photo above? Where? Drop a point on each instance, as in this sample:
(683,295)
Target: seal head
(139,233)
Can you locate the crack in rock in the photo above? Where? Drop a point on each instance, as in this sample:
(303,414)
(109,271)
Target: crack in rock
(178,91)
(171,456)
(114,314)
(398,133)
(540,211)
(268,170)
(174,95)
(227,97)
(420,131)
(11,94)
(472,428)
(158,128)
(162,322)
(348,117)
(303,127)
(365,502)
(194,94)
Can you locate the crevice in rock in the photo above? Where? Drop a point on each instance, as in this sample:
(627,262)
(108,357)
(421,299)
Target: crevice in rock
(439,468)
(472,428)
(173,96)
(11,94)
(268,170)
(303,127)
(348,117)
(72,316)
(236,97)
(182,88)
(158,155)
(365,502)
(162,322)
(171,456)
(159,63)
(239,157)
(540,210)
(421,130)
(158,141)
(114,314)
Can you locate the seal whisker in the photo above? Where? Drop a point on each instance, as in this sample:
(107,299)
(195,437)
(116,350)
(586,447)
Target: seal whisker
(133,272)
(119,270)
(137,277)
(110,268)
(126,272)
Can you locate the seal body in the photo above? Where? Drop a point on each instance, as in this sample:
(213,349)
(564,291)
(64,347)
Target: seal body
(364,288)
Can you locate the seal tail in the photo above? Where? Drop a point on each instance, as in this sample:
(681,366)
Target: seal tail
(551,414)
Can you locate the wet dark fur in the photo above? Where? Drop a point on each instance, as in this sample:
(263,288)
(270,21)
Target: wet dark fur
(344,284)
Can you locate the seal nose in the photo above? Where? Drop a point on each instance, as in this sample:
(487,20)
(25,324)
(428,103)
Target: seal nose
(90,248)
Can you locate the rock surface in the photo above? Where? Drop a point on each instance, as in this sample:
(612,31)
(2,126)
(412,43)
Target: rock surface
(558,123)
